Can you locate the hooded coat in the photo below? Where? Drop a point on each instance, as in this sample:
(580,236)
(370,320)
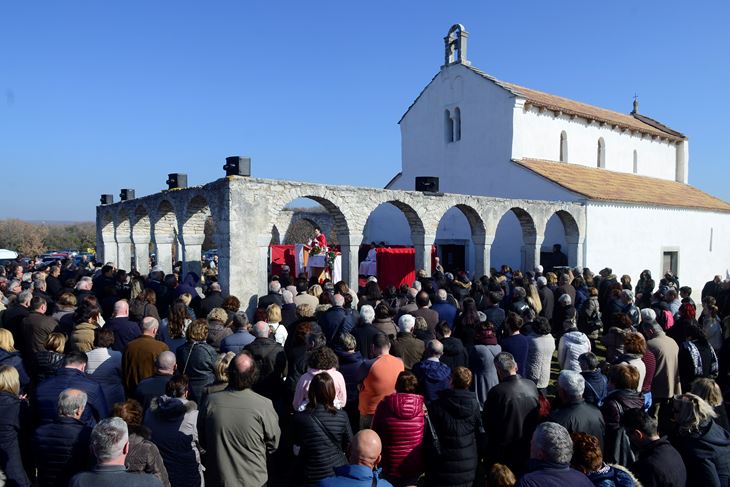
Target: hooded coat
(173,426)
(572,345)
(433,377)
(144,456)
(455,417)
(706,455)
(455,354)
(399,420)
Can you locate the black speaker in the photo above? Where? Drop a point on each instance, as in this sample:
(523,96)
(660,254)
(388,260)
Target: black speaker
(427,184)
(126,194)
(238,166)
(177,180)
(107,199)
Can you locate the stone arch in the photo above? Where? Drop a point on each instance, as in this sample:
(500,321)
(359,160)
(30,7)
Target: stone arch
(141,235)
(340,223)
(192,233)
(105,237)
(567,236)
(123,237)
(515,225)
(459,250)
(197,212)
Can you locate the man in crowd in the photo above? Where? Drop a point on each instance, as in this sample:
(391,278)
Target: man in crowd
(138,361)
(110,444)
(409,348)
(431,316)
(576,415)
(36,327)
(455,354)
(125,330)
(446,311)
(63,445)
(336,320)
(71,376)
(363,471)
(154,386)
(551,450)
(273,297)
(238,428)
(382,373)
(270,360)
(510,415)
(213,299)
(240,337)
(433,376)
(13,316)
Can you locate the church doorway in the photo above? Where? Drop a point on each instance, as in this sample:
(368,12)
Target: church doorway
(453,257)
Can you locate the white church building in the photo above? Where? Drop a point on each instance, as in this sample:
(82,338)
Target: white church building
(482,136)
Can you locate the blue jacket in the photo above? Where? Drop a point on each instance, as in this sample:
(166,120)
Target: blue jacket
(335,321)
(11,426)
(236,342)
(64,447)
(354,476)
(433,377)
(65,378)
(546,474)
(125,330)
(446,311)
(14,359)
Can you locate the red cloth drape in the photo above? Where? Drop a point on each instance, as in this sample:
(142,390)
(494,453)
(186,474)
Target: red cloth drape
(280,255)
(396,266)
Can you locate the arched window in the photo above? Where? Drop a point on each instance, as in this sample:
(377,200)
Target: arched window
(601,157)
(563,146)
(448,126)
(636,162)
(457,124)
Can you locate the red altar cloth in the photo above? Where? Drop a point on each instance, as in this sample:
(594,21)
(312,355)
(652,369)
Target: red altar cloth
(280,255)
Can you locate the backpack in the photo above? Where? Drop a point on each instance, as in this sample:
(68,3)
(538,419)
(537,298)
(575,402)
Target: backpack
(665,319)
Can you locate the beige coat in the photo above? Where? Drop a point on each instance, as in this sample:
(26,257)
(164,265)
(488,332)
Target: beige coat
(666,377)
(238,429)
(82,337)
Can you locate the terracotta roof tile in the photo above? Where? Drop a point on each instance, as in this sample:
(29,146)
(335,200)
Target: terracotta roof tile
(571,107)
(606,185)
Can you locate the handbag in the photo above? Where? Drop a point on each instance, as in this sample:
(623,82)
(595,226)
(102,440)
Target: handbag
(331,437)
(435,442)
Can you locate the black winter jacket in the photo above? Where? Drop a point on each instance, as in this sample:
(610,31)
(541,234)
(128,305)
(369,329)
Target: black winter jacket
(63,447)
(271,360)
(456,419)
(200,369)
(455,354)
(660,465)
(319,455)
(11,426)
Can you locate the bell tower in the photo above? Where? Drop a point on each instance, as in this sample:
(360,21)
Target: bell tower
(455,45)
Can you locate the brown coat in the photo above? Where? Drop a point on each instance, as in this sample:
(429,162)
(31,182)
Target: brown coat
(666,376)
(138,361)
(409,348)
(36,328)
(82,337)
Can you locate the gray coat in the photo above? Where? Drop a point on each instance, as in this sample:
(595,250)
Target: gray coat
(539,357)
(238,429)
(666,376)
(481,363)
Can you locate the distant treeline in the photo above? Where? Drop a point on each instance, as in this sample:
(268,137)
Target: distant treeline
(36,238)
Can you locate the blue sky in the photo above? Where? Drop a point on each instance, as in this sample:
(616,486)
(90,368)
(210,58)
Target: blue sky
(96,96)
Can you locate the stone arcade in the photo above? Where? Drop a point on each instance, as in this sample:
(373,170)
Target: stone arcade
(248,211)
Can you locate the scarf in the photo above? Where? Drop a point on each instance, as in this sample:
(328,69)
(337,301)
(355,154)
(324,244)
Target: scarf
(697,359)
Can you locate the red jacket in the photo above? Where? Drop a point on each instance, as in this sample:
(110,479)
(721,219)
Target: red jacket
(399,421)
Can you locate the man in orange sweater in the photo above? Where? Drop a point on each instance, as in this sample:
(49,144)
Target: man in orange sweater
(382,373)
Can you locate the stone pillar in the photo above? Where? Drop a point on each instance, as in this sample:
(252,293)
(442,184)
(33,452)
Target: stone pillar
(163,250)
(262,264)
(531,254)
(575,254)
(124,253)
(109,252)
(482,255)
(422,244)
(142,255)
(350,265)
(192,251)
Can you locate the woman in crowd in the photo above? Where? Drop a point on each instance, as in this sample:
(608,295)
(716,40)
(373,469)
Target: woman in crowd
(187,299)
(481,361)
(623,381)
(173,419)
(456,419)
(697,358)
(351,368)
(144,305)
(221,375)
(321,433)
(626,282)
(384,321)
(65,304)
(321,359)
(217,331)
(711,323)
(173,328)
(466,322)
(47,361)
(644,289)
(11,357)
(273,318)
(232,305)
(399,421)
(613,340)
(143,455)
(703,444)
(13,412)
(86,319)
(541,347)
(105,367)
(196,359)
(708,390)
(588,459)
(634,348)
(572,344)
(589,317)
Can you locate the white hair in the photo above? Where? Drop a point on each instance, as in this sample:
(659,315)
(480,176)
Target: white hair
(70,401)
(367,313)
(442,295)
(287,296)
(542,281)
(572,383)
(417,285)
(260,329)
(551,442)
(274,287)
(406,323)
(565,299)
(628,294)
(648,315)
(149,323)
(338,300)
(109,438)
(538,268)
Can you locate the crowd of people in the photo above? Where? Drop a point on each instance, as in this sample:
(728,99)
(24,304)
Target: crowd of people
(110,377)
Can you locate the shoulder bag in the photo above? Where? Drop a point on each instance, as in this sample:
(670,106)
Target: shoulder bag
(331,437)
